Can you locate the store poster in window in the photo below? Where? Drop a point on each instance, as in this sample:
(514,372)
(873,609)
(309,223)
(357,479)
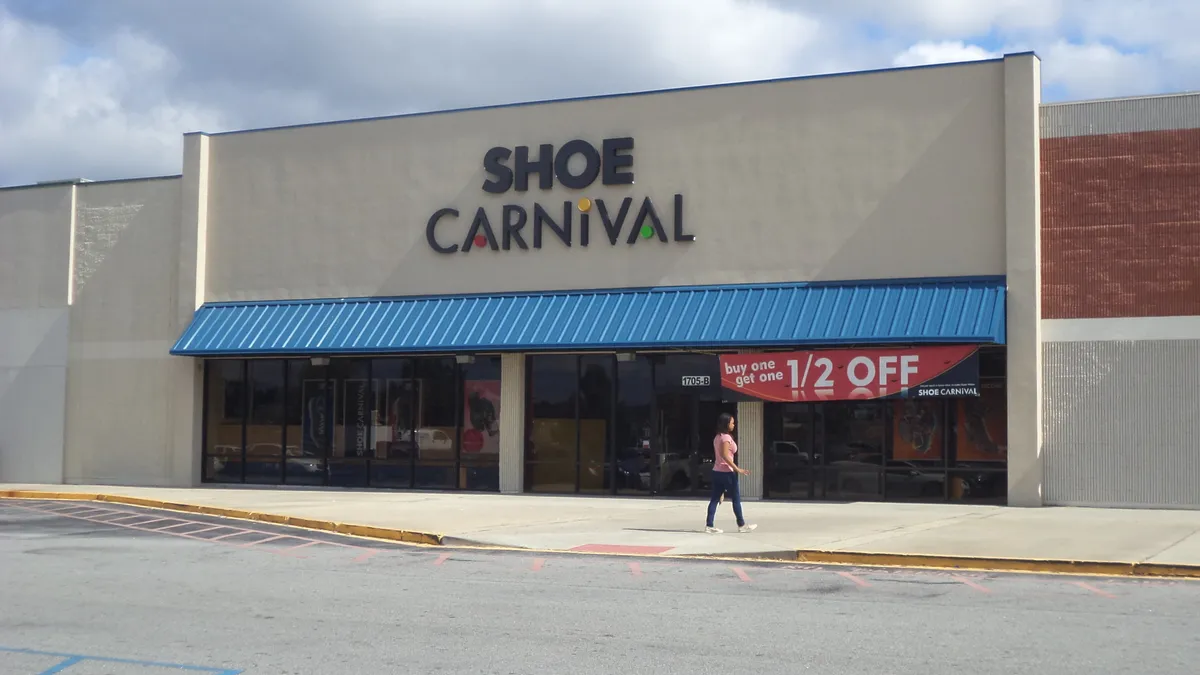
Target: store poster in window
(318,400)
(481,417)
(356,417)
(917,430)
(983,426)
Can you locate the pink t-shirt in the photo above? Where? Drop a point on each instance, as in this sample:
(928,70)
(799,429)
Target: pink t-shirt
(719,463)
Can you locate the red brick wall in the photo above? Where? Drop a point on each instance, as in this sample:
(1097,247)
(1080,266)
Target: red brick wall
(1121,225)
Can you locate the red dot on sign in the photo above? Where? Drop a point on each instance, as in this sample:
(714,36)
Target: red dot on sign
(480,241)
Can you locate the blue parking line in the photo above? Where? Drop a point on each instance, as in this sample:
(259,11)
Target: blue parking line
(62,665)
(73,659)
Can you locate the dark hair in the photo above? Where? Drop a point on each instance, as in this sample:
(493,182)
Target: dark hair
(723,423)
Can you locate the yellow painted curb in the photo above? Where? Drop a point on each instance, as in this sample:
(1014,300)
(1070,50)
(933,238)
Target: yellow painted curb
(1047,566)
(366,531)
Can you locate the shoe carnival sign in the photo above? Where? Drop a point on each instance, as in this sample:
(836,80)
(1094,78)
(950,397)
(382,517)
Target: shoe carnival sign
(576,165)
(854,374)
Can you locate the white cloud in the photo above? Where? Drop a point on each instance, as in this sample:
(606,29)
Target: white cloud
(103,117)
(1098,70)
(153,70)
(929,53)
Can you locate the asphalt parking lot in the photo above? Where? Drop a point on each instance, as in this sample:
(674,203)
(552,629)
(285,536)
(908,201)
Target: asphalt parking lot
(94,588)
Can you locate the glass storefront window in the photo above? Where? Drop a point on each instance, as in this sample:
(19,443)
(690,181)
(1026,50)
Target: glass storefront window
(551,451)
(479,455)
(853,452)
(435,435)
(919,450)
(635,425)
(225,403)
(350,386)
(264,430)
(980,457)
(596,392)
(309,414)
(791,463)
(397,400)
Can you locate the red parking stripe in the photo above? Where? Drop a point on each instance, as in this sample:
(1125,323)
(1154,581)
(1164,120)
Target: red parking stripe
(741,574)
(538,563)
(231,534)
(306,544)
(184,523)
(1088,587)
(972,584)
(366,555)
(856,580)
(263,541)
(635,569)
(206,529)
(133,516)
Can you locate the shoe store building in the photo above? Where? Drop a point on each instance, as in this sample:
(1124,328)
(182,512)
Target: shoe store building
(561,297)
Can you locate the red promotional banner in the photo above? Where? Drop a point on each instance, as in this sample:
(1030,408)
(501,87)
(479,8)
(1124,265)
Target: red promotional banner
(854,374)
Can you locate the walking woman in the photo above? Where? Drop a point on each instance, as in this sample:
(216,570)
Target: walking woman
(725,475)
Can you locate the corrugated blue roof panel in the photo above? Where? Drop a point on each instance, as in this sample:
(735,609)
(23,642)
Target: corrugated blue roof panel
(966,310)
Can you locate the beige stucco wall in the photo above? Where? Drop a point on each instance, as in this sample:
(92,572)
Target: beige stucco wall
(1023,274)
(874,175)
(120,376)
(35,235)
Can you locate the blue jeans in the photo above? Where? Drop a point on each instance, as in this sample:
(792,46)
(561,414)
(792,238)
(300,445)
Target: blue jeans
(725,482)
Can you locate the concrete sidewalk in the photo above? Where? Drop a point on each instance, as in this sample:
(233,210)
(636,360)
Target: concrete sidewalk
(674,527)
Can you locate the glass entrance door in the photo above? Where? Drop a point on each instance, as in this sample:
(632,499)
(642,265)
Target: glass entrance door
(676,458)
(684,457)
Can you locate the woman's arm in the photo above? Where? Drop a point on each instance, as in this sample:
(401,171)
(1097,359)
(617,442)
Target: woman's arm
(727,455)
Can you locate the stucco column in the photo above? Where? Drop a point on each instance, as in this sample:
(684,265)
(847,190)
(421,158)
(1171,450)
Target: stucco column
(750,448)
(512,423)
(1023,262)
(187,395)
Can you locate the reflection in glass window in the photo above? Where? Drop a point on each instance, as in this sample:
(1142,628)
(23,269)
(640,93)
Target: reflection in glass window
(595,412)
(435,435)
(226,406)
(398,396)
(264,430)
(791,464)
(552,449)
(635,429)
(308,411)
(387,422)
(854,443)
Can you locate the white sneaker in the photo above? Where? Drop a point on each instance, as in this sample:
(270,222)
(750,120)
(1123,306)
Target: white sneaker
(747,528)
(712,530)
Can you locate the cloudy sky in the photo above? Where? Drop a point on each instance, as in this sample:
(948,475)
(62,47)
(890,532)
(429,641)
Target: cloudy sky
(104,88)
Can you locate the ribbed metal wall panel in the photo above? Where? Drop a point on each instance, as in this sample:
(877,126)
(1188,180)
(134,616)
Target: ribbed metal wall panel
(750,448)
(897,312)
(512,423)
(1123,115)
(1122,423)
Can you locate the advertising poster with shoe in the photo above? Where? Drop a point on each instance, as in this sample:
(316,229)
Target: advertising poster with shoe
(481,417)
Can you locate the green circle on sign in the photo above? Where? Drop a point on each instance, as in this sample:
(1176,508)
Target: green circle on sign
(647,232)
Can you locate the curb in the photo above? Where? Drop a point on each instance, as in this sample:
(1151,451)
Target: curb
(1029,565)
(366,531)
(820,557)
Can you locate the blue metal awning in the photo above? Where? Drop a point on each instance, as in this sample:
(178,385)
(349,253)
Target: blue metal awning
(961,310)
